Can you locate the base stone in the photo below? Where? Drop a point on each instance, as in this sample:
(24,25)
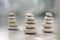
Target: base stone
(48,31)
(30,31)
(13,28)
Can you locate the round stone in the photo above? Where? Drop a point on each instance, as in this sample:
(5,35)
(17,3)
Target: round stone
(11,14)
(49,14)
(29,14)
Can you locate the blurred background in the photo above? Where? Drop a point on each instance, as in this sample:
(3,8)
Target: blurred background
(21,7)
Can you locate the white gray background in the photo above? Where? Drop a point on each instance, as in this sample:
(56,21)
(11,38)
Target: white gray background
(21,7)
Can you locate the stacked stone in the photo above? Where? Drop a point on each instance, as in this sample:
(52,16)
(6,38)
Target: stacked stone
(30,24)
(48,23)
(12,23)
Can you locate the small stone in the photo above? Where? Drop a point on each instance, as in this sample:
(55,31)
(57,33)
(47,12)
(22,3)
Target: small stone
(48,30)
(29,14)
(49,14)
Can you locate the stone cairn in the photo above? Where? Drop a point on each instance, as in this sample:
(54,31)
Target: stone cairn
(30,24)
(48,20)
(12,23)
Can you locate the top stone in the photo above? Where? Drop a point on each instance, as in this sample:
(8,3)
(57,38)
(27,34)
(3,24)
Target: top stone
(11,14)
(49,14)
(29,14)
